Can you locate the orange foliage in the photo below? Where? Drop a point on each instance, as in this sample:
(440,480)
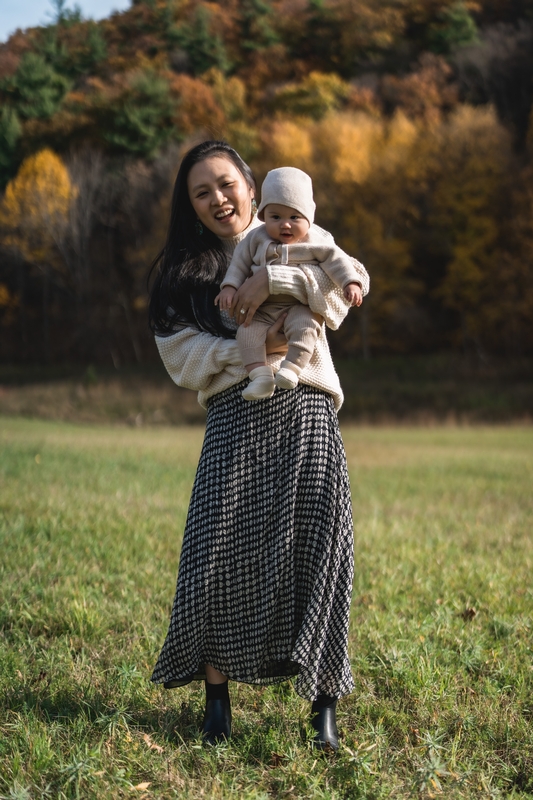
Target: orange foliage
(364,98)
(367,23)
(197,108)
(268,68)
(9,62)
(426,93)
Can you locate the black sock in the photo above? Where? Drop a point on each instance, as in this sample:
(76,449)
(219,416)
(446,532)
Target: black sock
(323,701)
(216,691)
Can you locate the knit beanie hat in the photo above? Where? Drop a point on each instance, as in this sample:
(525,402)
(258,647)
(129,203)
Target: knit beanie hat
(288,186)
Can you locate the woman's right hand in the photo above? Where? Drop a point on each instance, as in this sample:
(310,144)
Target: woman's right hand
(249,297)
(275,339)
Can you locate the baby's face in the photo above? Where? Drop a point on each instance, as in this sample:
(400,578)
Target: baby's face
(284,224)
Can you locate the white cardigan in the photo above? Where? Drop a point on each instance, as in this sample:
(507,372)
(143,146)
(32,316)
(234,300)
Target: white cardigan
(210,364)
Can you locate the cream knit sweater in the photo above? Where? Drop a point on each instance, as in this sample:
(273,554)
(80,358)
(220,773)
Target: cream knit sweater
(210,364)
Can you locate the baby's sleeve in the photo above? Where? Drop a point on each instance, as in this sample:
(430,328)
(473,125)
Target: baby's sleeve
(241,263)
(342,268)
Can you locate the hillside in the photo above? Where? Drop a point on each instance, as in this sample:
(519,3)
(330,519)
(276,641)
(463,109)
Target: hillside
(413,119)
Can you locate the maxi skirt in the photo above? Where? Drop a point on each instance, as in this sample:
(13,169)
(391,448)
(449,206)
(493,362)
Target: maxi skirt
(266,568)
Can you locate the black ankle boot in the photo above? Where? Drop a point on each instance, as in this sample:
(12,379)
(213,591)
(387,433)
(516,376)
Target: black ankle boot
(324,722)
(217,719)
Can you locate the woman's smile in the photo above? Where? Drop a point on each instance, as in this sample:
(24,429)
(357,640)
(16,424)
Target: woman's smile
(225,213)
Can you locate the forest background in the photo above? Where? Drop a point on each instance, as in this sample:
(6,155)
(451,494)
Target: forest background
(413,118)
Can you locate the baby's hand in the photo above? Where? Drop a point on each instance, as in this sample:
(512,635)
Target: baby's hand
(225,298)
(353,293)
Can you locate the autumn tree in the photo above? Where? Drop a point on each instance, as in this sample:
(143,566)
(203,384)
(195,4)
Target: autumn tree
(314,96)
(468,205)
(86,170)
(427,92)
(341,35)
(497,70)
(231,98)
(34,214)
(402,111)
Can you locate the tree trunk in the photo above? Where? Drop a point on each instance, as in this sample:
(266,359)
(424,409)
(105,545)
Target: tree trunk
(364,316)
(46,314)
(22,306)
(131,327)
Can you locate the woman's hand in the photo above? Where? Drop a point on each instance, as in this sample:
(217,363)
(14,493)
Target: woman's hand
(275,339)
(249,297)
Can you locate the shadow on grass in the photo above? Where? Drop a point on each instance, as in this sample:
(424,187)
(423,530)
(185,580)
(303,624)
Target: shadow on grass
(266,721)
(174,725)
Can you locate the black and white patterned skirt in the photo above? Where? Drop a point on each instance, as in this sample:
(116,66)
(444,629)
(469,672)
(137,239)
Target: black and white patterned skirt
(266,566)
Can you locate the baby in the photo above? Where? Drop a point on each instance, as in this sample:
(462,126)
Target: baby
(287,209)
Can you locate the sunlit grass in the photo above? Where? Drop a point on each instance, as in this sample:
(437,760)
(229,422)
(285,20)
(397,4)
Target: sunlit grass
(441,630)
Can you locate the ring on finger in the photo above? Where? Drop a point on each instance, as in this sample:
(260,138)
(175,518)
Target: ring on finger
(243,311)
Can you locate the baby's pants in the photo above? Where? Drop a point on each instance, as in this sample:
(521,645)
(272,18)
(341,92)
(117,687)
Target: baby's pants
(301,328)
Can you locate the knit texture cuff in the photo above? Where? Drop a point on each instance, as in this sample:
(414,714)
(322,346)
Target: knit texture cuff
(229,353)
(280,279)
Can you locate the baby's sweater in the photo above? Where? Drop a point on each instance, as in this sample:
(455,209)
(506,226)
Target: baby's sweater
(211,364)
(258,250)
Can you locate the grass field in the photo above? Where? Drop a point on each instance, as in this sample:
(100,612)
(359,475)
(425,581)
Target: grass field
(441,631)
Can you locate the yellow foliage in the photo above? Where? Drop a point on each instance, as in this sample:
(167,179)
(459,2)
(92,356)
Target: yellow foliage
(290,144)
(243,137)
(36,205)
(6,298)
(348,143)
(476,153)
(475,129)
(401,136)
(230,94)
(315,96)
(8,306)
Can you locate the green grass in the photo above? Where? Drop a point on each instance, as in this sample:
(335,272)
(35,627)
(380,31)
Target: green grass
(441,630)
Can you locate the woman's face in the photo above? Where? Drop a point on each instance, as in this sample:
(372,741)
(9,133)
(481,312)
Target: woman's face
(220,196)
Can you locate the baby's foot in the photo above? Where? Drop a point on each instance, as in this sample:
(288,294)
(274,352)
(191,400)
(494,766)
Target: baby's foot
(287,375)
(261,384)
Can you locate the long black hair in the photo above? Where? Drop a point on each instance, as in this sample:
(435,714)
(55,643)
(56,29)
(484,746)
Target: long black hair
(190,267)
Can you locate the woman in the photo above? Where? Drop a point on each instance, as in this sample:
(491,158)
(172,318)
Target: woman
(266,565)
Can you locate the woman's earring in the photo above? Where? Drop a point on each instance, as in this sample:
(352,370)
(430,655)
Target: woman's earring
(254,207)
(199,228)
